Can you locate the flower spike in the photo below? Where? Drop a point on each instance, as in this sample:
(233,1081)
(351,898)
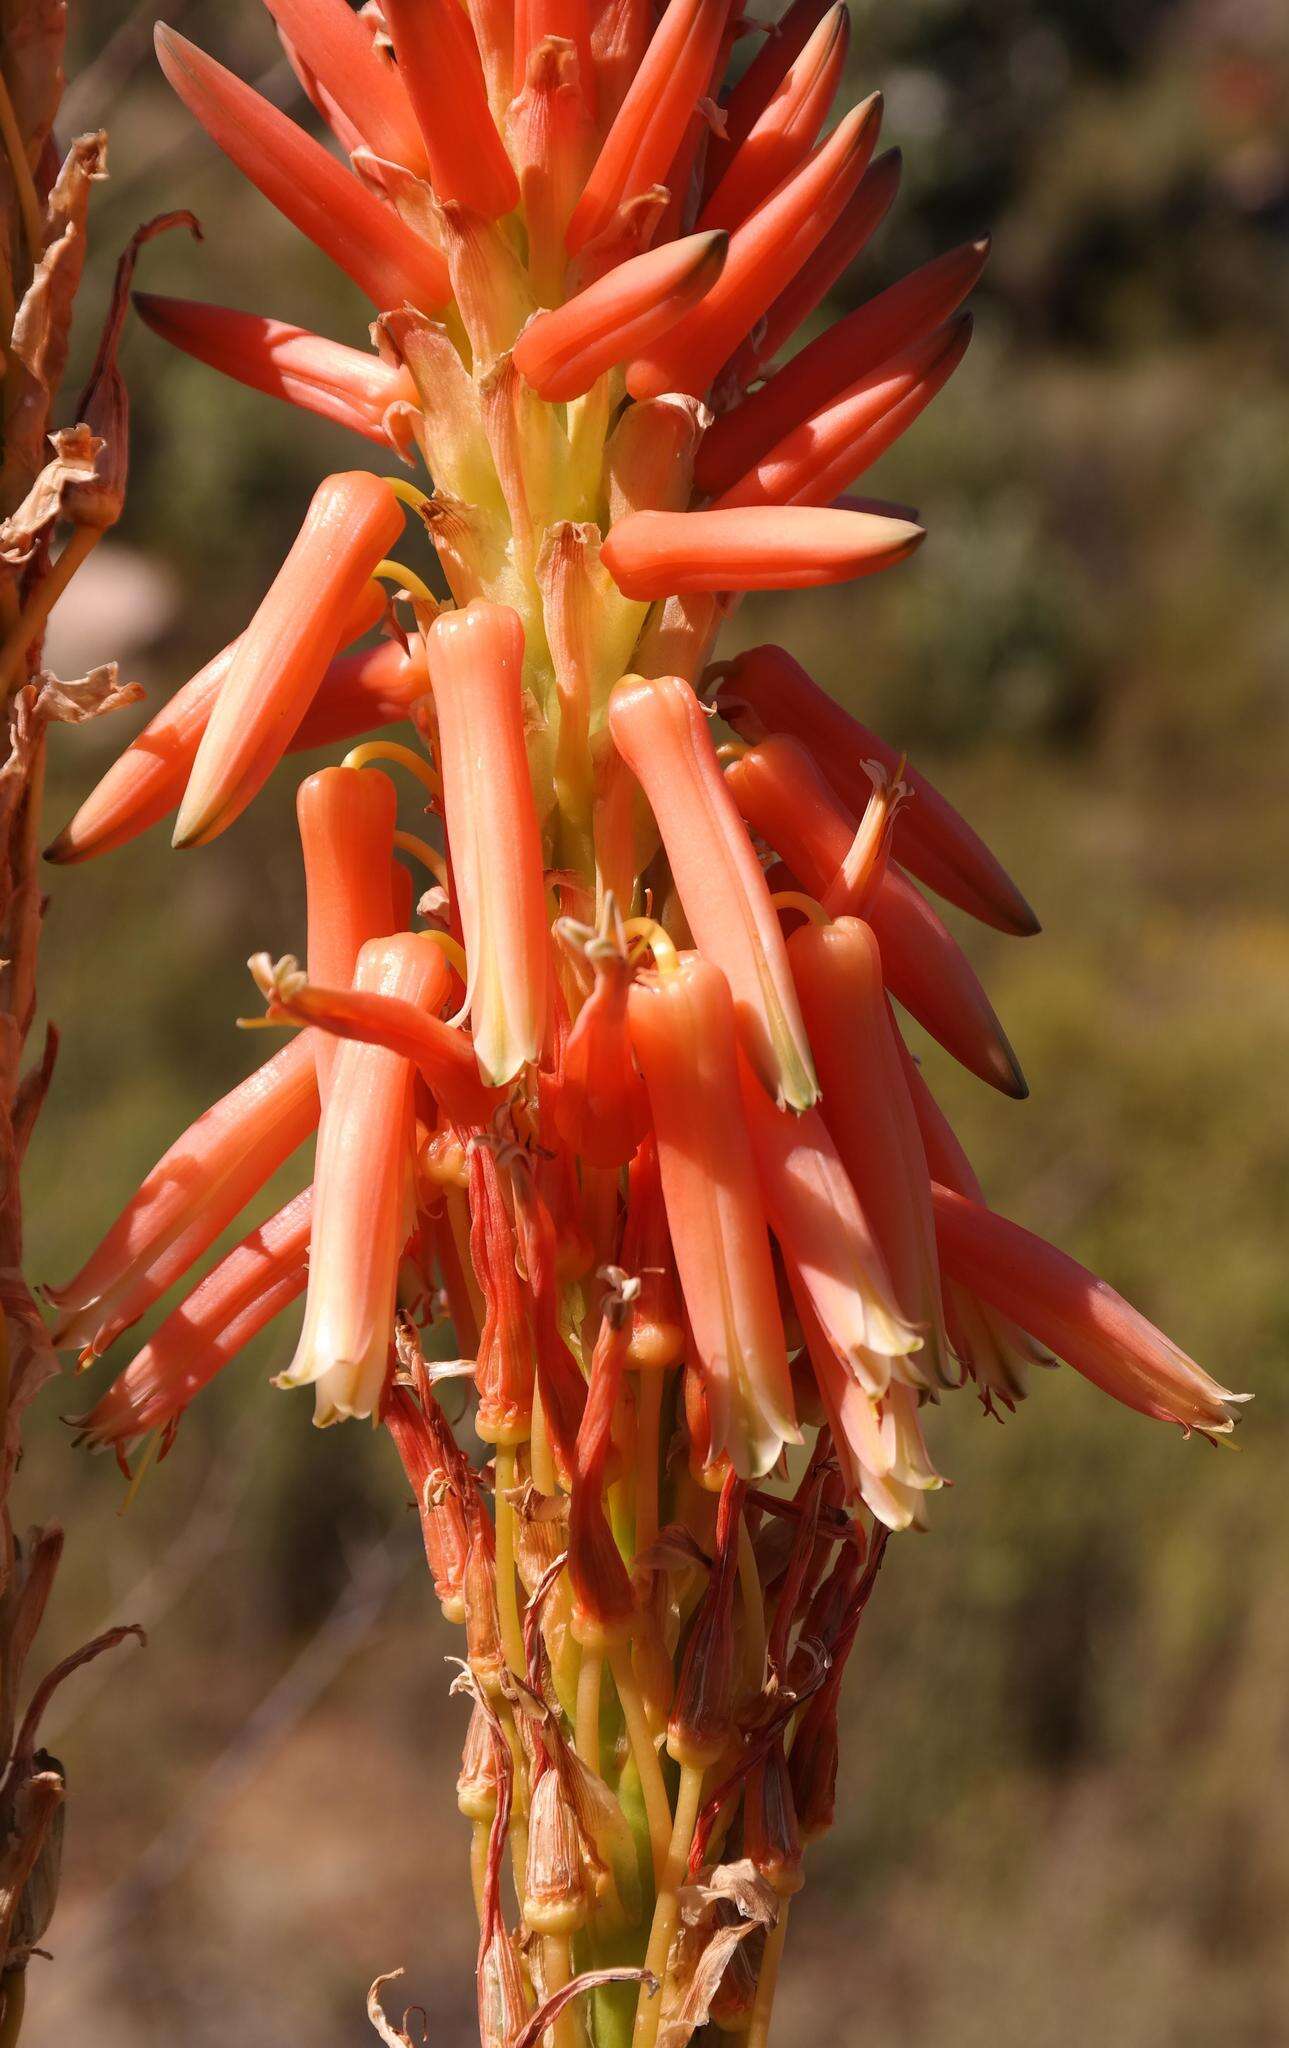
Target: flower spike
(386,259)
(759,547)
(476,666)
(324,377)
(282,656)
(660,730)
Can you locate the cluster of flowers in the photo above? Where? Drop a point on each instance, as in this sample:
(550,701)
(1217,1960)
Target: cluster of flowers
(623,1099)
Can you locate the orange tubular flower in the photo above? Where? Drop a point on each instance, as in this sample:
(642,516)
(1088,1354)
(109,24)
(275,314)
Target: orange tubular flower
(264,1275)
(785,130)
(824,451)
(759,547)
(146,783)
(191,1195)
(324,377)
(443,1055)
(561,353)
(785,798)
(385,258)
(346,818)
(439,60)
(765,252)
(439,1477)
(826,1240)
(599,1106)
(282,656)
(341,53)
(660,730)
(894,321)
(682,1027)
(747,100)
(647,131)
(476,667)
(1079,1317)
(883,1459)
(362,1183)
(504,1369)
(766,691)
(838,972)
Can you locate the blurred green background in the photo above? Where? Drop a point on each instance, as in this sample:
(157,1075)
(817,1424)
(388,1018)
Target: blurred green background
(1065,1809)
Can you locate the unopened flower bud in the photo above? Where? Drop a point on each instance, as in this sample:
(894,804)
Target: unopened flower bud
(477,1778)
(770,1833)
(702,1714)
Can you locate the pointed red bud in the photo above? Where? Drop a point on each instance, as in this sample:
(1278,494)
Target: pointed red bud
(339,50)
(765,252)
(561,353)
(747,101)
(386,259)
(648,127)
(702,1714)
(604,1600)
(849,350)
(320,376)
(786,128)
(441,67)
(761,547)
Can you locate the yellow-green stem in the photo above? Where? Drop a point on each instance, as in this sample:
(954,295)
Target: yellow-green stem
(758,2032)
(648,1769)
(512,1634)
(586,1737)
(667,1906)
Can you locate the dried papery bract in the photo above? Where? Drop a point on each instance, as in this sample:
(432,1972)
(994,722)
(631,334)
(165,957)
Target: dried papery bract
(623,1163)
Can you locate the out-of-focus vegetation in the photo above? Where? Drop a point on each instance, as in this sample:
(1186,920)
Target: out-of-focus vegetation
(1065,1813)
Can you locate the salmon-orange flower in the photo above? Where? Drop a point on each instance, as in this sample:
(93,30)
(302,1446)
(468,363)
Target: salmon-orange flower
(599,1108)
(374,687)
(346,818)
(262,1276)
(765,691)
(785,798)
(476,659)
(682,1027)
(362,1183)
(339,50)
(659,728)
(193,1192)
(282,656)
(439,61)
(838,971)
(1079,1317)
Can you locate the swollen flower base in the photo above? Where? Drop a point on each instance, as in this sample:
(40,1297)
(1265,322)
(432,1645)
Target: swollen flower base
(621,1160)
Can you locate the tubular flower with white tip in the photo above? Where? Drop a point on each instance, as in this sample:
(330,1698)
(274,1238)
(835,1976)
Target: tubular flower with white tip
(618,1129)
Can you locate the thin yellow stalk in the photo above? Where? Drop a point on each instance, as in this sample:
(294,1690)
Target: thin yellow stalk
(758,2031)
(649,1770)
(512,1634)
(586,1736)
(667,1905)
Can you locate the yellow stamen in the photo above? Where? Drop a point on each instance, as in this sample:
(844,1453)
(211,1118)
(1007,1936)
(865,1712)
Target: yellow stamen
(407,579)
(429,856)
(394,750)
(148,1454)
(653,939)
(795,899)
(452,948)
(408,493)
